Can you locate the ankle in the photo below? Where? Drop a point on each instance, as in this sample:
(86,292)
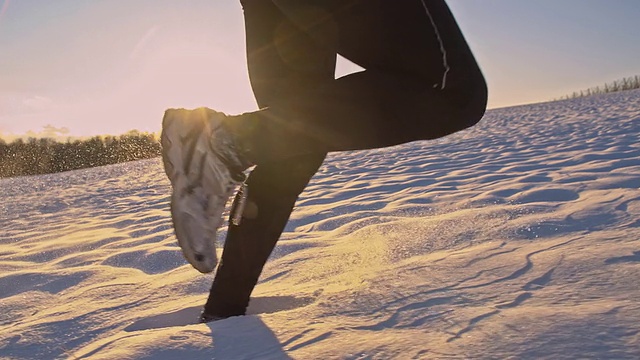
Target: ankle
(243,129)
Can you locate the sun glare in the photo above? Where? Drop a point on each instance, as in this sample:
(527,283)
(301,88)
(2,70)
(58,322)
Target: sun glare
(178,75)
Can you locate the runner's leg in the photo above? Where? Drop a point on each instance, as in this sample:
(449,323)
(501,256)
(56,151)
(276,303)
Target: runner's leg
(421,81)
(281,60)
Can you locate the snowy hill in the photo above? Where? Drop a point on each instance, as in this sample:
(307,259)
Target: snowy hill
(519,238)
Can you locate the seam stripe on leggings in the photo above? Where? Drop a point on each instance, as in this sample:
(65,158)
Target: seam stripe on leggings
(445,63)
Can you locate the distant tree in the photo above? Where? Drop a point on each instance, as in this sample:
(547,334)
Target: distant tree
(629,83)
(40,156)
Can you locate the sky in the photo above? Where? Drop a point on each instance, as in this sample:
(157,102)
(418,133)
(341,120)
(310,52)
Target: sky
(93,67)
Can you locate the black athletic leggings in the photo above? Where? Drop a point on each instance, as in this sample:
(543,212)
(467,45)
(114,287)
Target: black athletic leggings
(420,82)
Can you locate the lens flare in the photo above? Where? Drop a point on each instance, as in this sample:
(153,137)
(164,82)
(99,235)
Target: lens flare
(3,9)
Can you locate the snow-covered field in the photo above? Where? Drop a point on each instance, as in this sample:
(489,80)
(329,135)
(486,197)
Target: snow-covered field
(519,238)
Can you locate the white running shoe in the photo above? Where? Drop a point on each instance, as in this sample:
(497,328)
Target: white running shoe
(204,168)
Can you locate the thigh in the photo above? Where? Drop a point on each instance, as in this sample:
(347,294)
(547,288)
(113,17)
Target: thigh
(282,58)
(412,38)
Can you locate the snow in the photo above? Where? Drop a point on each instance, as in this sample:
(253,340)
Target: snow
(519,238)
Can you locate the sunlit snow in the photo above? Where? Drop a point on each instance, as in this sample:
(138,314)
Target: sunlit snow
(519,238)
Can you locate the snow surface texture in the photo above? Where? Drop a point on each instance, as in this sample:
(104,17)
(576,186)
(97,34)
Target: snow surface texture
(519,238)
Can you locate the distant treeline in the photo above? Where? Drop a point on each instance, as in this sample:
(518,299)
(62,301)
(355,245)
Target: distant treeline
(629,83)
(43,156)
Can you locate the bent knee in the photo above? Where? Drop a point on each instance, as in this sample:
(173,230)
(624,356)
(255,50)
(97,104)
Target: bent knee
(477,105)
(470,104)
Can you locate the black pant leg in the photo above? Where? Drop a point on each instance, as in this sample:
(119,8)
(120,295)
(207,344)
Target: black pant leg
(282,60)
(421,81)
(273,190)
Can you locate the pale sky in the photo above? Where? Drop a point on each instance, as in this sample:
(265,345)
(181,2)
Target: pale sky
(109,66)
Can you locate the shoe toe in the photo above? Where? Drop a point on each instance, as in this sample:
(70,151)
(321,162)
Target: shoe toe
(196,237)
